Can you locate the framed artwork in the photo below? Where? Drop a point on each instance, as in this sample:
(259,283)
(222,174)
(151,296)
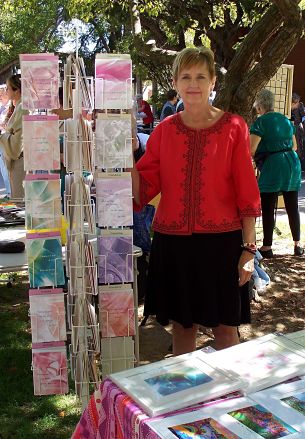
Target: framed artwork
(239,418)
(260,363)
(175,383)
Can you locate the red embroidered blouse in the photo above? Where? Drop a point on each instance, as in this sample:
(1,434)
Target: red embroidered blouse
(205,176)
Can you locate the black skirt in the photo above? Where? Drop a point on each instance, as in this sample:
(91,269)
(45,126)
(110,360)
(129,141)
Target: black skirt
(193,279)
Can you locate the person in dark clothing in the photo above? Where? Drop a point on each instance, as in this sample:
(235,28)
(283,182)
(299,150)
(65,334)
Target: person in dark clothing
(297,117)
(170,105)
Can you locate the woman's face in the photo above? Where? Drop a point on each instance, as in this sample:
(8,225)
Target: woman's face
(12,94)
(194,84)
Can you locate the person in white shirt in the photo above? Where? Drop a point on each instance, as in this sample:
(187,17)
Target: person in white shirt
(11,139)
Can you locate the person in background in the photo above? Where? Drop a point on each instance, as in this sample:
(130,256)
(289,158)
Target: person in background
(179,106)
(273,146)
(11,139)
(144,112)
(4,105)
(169,107)
(297,117)
(5,114)
(204,229)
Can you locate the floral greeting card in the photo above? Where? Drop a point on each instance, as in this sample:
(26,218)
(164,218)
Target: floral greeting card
(41,143)
(114,199)
(39,80)
(115,261)
(47,311)
(113,81)
(42,201)
(50,373)
(44,255)
(117,312)
(113,141)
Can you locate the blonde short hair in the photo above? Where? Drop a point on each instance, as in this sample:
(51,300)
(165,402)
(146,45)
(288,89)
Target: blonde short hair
(192,56)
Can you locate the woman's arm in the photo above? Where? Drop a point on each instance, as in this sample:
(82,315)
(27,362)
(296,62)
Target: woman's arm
(294,143)
(135,176)
(254,141)
(246,260)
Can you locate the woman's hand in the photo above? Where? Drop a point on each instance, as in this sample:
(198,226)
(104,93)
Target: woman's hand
(245,267)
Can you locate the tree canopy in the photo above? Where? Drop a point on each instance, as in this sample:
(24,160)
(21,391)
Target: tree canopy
(250,38)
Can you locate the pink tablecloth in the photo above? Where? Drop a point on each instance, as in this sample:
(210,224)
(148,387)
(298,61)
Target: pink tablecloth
(111,414)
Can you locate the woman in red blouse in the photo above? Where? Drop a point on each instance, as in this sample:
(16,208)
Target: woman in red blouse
(204,229)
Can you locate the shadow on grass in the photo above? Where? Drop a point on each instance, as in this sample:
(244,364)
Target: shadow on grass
(23,415)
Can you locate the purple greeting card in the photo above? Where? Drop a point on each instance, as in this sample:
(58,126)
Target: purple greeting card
(115,263)
(113,81)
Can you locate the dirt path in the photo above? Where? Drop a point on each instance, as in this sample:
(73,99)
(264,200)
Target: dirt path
(281,308)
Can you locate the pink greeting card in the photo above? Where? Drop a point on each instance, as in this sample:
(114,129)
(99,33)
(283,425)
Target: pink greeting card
(40,81)
(41,143)
(113,81)
(117,317)
(50,373)
(47,311)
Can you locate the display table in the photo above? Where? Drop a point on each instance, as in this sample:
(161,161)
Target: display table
(111,414)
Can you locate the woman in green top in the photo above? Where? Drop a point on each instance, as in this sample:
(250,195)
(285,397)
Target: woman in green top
(273,146)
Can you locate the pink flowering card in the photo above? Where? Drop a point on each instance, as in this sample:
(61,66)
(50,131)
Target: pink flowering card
(40,81)
(50,371)
(114,199)
(47,311)
(117,318)
(41,142)
(113,77)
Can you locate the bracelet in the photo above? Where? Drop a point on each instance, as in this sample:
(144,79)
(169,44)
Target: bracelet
(250,245)
(249,249)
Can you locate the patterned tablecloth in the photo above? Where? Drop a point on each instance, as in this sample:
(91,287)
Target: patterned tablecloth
(111,414)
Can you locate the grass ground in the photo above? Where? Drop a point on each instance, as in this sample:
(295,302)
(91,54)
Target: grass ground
(23,415)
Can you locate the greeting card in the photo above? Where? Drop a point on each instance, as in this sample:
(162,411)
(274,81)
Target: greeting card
(41,142)
(113,141)
(39,81)
(238,418)
(113,81)
(47,311)
(117,354)
(115,261)
(42,201)
(114,199)
(117,311)
(45,259)
(176,383)
(50,373)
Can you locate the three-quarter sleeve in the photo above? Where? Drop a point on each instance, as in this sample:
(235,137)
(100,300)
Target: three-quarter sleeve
(245,184)
(149,169)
